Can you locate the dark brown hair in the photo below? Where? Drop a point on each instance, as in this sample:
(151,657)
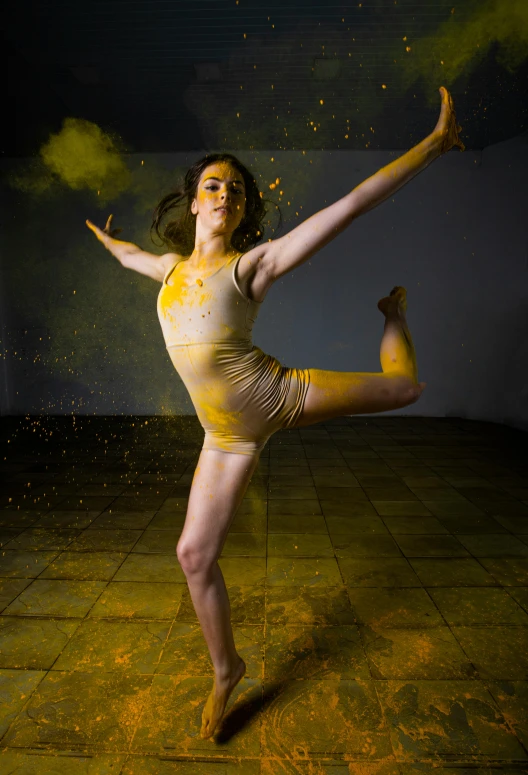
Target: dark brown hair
(179,235)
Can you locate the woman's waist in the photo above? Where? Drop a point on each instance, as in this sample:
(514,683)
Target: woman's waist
(213,356)
(226,366)
(215,344)
(210,359)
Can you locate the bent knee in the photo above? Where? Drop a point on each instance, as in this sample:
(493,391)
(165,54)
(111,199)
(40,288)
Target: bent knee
(408,392)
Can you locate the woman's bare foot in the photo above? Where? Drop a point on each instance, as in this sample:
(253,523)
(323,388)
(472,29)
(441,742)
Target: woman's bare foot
(395,306)
(447,128)
(396,301)
(217,700)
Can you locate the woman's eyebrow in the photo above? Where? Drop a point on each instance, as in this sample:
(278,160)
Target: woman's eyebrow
(218,179)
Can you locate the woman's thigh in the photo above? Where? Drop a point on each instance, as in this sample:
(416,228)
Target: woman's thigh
(338,393)
(219,483)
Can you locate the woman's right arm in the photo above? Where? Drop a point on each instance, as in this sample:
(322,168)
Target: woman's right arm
(131,256)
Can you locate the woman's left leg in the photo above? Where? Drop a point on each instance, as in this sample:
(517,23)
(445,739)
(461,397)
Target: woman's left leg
(338,393)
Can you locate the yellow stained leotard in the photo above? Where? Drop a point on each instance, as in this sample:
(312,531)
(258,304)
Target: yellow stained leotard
(241,395)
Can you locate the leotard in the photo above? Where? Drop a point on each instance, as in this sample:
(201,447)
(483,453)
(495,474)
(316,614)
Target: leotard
(241,395)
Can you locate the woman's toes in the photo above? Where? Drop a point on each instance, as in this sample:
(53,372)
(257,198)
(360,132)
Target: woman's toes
(398,296)
(400,293)
(383,304)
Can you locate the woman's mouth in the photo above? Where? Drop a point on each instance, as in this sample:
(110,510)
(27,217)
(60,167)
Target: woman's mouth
(223,210)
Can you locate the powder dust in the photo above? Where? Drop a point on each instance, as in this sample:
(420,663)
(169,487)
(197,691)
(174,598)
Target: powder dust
(80,156)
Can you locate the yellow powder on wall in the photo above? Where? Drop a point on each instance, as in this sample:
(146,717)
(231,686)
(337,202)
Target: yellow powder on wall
(80,156)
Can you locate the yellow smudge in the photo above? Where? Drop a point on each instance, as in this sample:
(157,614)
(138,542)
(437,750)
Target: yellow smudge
(83,156)
(457,47)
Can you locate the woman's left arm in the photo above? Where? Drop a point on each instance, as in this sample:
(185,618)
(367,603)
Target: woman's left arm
(386,181)
(286,253)
(389,179)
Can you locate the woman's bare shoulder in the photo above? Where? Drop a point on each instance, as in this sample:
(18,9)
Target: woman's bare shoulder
(169,259)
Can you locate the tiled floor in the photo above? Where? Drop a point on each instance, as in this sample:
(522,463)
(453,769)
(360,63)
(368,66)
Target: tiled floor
(378,576)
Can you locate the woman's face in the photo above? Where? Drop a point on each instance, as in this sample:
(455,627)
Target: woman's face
(220,185)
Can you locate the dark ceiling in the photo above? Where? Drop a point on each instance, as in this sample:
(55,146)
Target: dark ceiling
(170,75)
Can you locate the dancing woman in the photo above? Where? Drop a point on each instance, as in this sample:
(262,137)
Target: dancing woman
(207,305)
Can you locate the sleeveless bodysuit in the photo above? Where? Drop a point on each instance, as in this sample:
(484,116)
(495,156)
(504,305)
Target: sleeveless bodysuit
(241,395)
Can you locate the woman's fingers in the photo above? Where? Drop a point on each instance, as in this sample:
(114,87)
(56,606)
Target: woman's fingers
(101,234)
(108,228)
(96,230)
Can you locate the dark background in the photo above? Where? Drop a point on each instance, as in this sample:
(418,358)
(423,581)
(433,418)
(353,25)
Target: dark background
(166,75)
(80,334)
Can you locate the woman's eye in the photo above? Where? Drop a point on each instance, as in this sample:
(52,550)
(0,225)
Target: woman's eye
(212,188)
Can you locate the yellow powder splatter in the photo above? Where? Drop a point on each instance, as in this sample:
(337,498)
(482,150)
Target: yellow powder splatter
(456,47)
(83,156)
(80,156)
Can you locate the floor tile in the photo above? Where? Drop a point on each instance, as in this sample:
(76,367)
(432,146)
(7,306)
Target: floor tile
(139,599)
(33,644)
(62,764)
(377,575)
(56,597)
(496,652)
(15,688)
(87,710)
(437,720)
(475,606)
(100,645)
(451,572)
(418,654)
(355,727)
(387,608)
(378,572)
(297,545)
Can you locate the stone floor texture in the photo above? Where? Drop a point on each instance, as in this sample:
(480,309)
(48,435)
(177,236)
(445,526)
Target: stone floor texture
(378,575)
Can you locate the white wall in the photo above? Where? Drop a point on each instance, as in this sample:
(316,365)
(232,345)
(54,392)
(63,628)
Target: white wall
(455,237)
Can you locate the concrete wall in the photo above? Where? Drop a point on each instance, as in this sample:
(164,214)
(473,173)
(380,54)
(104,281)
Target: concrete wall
(80,334)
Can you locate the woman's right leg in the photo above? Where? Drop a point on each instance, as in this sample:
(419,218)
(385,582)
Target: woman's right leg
(339,393)
(219,483)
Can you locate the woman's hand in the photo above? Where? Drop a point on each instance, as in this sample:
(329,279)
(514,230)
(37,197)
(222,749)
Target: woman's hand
(118,248)
(446,128)
(103,234)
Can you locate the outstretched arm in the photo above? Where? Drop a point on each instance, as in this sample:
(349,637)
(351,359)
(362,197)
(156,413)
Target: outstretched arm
(282,255)
(389,179)
(129,255)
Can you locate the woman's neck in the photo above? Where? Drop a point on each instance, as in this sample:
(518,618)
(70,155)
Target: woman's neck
(210,258)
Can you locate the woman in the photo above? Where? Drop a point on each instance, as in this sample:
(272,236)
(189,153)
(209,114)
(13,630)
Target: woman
(207,305)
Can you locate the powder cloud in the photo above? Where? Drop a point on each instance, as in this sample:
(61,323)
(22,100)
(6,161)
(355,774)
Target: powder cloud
(81,156)
(456,48)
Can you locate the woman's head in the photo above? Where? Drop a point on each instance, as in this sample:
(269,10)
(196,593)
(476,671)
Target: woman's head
(200,194)
(220,185)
